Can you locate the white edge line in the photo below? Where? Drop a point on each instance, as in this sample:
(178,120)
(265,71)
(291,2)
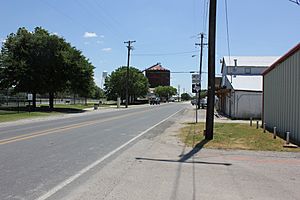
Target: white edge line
(97,162)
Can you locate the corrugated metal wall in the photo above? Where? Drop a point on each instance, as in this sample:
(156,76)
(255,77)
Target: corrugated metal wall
(282,97)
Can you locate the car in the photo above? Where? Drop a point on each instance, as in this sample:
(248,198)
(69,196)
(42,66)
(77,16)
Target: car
(194,102)
(154,101)
(203,102)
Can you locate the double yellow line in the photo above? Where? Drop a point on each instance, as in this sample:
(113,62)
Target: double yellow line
(61,129)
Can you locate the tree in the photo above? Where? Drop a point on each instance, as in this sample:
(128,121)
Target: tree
(185,97)
(18,63)
(165,91)
(98,93)
(115,84)
(40,62)
(82,72)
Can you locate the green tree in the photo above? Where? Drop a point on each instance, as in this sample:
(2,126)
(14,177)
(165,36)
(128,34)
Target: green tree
(81,74)
(165,91)
(185,97)
(115,84)
(98,93)
(40,62)
(18,62)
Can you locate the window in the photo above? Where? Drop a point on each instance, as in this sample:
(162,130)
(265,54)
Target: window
(248,70)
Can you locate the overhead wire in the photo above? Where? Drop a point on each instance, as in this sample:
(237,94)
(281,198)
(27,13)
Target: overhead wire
(90,11)
(63,14)
(227,30)
(295,1)
(165,54)
(205,15)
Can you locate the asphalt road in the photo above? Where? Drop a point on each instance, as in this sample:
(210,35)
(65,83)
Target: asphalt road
(37,157)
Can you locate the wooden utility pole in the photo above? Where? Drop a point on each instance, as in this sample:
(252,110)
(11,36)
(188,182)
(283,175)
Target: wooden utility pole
(211,70)
(129,47)
(201,44)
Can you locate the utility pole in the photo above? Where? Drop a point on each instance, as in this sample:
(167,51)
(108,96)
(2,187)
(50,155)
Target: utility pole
(211,70)
(129,47)
(200,68)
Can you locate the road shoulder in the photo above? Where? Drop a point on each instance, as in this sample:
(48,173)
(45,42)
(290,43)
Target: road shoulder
(162,167)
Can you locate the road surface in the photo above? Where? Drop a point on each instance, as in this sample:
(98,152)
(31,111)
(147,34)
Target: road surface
(37,159)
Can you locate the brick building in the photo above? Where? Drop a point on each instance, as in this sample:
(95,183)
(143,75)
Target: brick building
(158,76)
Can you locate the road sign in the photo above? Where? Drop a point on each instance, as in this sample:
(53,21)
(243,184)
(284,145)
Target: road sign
(29,97)
(195,88)
(195,78)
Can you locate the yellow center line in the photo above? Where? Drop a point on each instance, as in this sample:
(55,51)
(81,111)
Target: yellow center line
(61,129)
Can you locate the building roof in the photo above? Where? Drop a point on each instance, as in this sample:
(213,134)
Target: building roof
(283,58)
(249,83)
(157,67)
(253,61)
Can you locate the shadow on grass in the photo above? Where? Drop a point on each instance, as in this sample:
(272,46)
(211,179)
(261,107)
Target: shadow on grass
(16,110)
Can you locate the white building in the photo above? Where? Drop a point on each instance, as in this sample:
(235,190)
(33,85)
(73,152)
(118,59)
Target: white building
(281,95)
(240,96)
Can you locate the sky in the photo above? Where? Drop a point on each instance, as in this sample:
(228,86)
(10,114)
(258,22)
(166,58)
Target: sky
(165,31)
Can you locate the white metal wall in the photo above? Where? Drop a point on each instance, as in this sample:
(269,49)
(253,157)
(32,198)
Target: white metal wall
(247,104)
(241,70)
(282,97)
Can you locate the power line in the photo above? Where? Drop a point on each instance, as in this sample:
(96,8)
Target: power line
(89,11)
(65,15)
(295,1)
(166,54)
(227,29)
(205,14)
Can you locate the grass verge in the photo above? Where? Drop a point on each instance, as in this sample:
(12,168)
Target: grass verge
(13,116)
(233,136)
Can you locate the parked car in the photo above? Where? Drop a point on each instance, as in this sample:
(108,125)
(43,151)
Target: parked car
(203,102)
(194,102)
(154,101)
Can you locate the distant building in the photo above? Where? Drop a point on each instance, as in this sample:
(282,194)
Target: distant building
(281,95)
(240,96)
(158,76)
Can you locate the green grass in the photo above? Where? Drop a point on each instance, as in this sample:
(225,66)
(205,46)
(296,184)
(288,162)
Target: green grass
(13,116)
(73,106)
(233,136)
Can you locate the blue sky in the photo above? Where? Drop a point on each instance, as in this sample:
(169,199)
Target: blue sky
(164,30)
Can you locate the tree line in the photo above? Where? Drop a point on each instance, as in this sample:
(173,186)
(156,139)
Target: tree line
(42,63)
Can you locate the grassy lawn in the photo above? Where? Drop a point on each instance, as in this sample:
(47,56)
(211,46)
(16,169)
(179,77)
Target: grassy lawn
(6,116)
(233,136)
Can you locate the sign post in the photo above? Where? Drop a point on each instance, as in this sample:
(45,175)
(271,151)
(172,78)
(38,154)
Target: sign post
(196,89)
(29,98)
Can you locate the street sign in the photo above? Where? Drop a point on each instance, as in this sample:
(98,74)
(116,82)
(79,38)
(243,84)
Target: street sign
(29,97)
(195,88)
(195,78)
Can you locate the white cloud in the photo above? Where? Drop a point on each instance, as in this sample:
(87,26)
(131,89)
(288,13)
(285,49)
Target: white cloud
(99,42)
(55,33)
(3,40)
(90,35)
(107,49)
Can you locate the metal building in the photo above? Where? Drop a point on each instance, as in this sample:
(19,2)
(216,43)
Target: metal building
(281,95)
(240,95)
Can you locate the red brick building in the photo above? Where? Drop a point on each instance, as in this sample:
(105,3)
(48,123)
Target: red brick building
(158,76)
